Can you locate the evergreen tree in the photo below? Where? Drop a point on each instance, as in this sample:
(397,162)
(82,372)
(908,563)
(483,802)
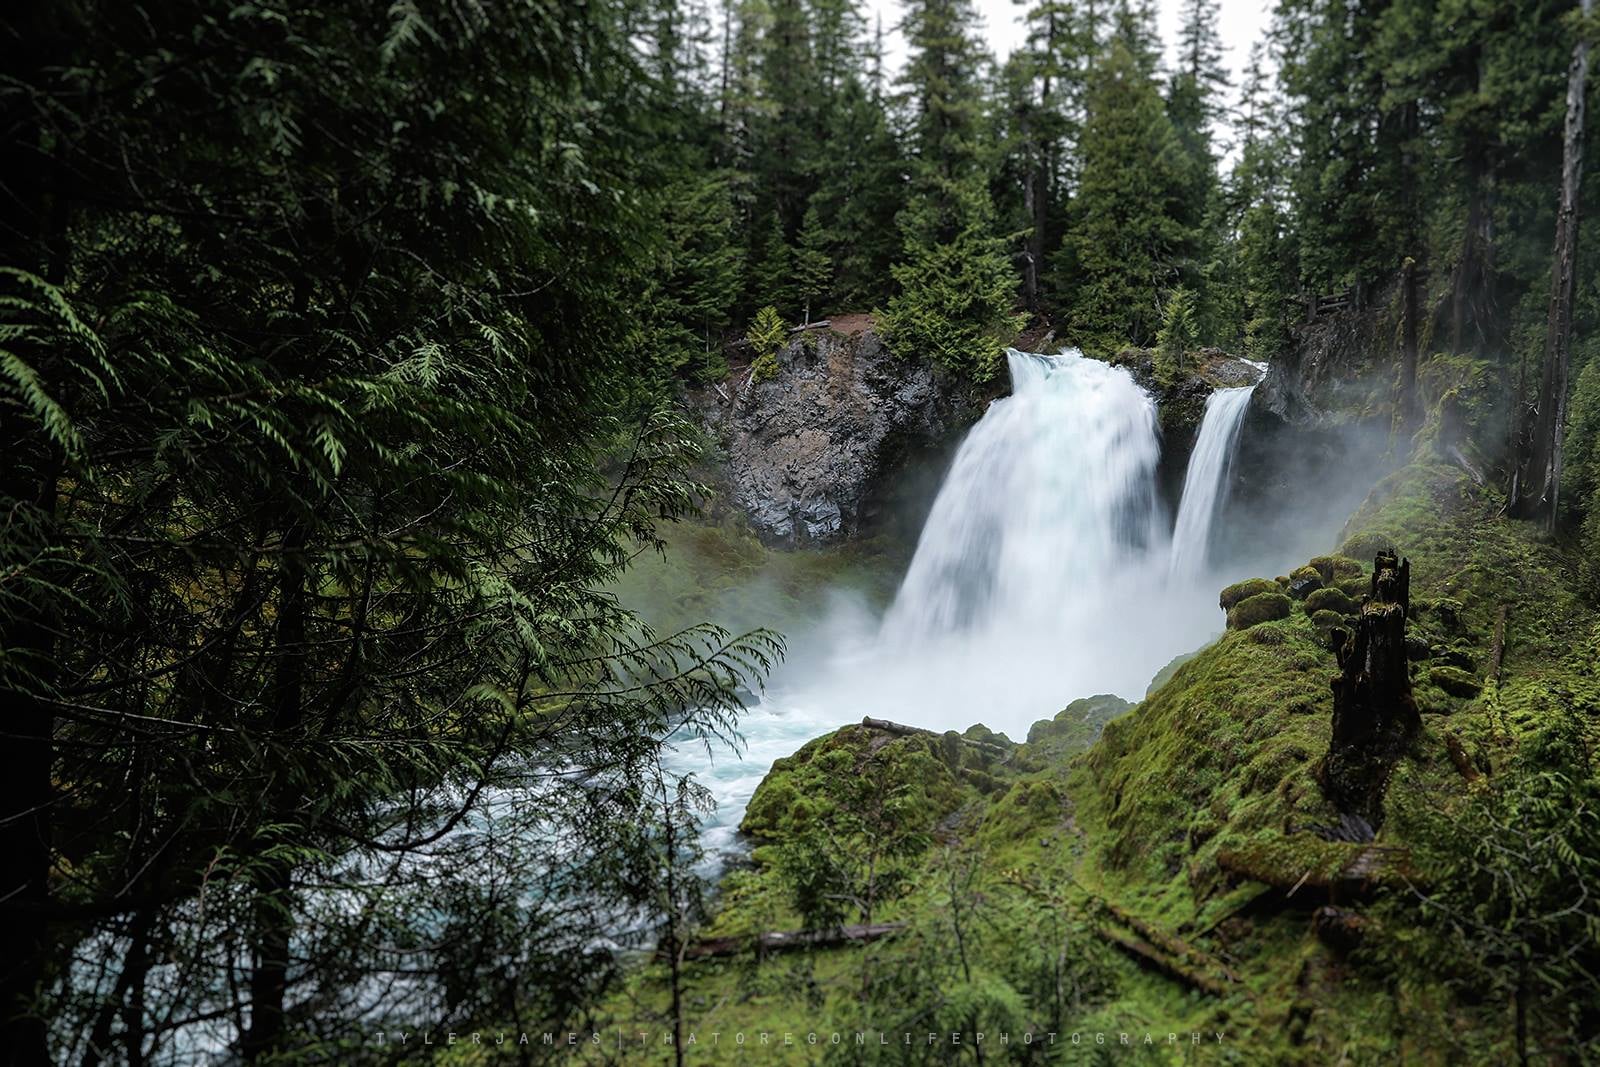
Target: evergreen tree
(1127,238)
(813,267)
(957,287)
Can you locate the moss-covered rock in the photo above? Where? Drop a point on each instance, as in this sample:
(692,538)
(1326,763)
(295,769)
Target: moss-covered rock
(1243,590)
(1075,727)
(1303,581)
(1263,607)
(1326,599)
(1334,569)
(798,791)
(1455,681)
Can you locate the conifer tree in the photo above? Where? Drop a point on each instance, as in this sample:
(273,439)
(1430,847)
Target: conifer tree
(813,266)
(1126,239)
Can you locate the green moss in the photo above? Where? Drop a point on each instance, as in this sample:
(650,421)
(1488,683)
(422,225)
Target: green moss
(1243,590)
(1326,599)
(1304,580)
(1455,681)
(1333,569)
(1262,607)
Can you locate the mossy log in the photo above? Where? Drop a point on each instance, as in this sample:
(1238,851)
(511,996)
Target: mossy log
(787,940)
(1147,954)
(1343,870)
(1170,943)
(1374,713)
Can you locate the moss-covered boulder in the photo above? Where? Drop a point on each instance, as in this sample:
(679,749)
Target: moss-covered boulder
(1327,599)
(1455,681)
(1334,569)
(1263,607)
(1075,727)
(799,789)
(1303,581)
(1244,590)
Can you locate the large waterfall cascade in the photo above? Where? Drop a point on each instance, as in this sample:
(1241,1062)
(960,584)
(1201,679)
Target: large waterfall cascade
(1046,571)
(1052,492)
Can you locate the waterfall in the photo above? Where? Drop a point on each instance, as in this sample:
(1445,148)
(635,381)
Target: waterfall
(1205,482)
(1051,494)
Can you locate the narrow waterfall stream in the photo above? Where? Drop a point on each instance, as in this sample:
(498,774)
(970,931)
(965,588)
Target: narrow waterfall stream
(1205,482)
(1046,571)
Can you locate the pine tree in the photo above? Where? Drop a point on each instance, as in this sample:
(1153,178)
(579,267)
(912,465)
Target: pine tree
(957,288)
(773,278)
(1126,242)
(813,266)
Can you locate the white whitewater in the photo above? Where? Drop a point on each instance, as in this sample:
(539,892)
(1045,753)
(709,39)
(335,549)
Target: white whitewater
(1044,572)
(1205,482)
(1052,492)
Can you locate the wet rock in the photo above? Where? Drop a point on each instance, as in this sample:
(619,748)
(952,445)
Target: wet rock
(811,453)
(1417,648)
(1303,582)
(1455,657)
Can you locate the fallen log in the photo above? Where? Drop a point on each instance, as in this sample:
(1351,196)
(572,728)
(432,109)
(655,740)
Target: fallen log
(820,324)
(786,940)
(1170,943)
(1345,870)
(1150,956)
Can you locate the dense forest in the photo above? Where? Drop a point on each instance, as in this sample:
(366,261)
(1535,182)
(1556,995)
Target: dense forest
(340,355)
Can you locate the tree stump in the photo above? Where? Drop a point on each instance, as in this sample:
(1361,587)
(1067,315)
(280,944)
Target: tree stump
(1374,714)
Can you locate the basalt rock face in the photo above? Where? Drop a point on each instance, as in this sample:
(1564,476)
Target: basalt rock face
(819,452)
(1374,713)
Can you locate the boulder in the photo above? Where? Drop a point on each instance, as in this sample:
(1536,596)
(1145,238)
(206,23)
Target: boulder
(1263,607)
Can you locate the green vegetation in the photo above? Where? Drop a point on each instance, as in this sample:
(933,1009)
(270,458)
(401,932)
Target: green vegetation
(338,356)
(1263,607)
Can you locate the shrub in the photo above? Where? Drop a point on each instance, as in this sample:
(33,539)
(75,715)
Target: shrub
(1263,607)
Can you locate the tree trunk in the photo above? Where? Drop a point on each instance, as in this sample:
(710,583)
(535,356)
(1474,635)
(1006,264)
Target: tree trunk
(1374,715)
(1536,479)
(1408,409)
(272,884)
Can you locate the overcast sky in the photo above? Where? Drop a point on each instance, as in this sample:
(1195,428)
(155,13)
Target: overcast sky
(1242,23)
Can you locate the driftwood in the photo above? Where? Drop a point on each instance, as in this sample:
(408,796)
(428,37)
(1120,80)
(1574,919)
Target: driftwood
(900,729)
(820,324)
(1374,714)
(787,940)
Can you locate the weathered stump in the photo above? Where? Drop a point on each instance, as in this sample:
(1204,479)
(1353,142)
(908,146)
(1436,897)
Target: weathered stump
(1374,715)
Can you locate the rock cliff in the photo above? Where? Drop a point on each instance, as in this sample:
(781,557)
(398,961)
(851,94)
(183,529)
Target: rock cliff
(816,453)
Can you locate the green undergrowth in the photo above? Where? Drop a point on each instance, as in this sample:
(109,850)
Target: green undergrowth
(1193,824)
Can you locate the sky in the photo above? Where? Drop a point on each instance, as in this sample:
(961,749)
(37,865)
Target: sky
(1242,23)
